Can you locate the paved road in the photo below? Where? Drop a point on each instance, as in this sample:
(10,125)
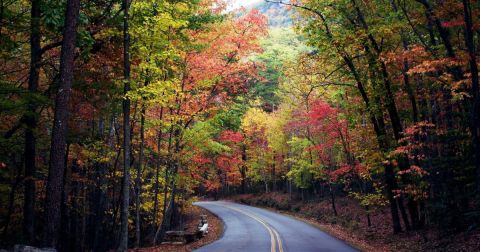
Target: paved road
(253,229)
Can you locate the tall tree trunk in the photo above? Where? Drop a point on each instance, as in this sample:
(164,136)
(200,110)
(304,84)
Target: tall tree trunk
(156,190)
(157,173)
(31,123)
(65,211)
(59,132)
(123,244)
(138,182)
(475,95)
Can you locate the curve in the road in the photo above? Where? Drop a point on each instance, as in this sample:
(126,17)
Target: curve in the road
(274,236)
(254,229)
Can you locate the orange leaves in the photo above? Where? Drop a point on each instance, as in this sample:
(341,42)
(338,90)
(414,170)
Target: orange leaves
(415,140)
(413,54)
(429,66)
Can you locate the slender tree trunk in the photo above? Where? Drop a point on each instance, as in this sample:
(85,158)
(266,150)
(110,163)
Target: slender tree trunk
(123,244)
(155,195)
(403,213)
(390,179)
(59,132)
(65,211)
(157,173)
(332,198)
(369,222)
(138,189)
(31,123)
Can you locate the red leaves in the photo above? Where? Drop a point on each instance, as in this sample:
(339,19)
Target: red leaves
(230,136)
(321,120)
(453,23)
(414,170)
(200,160)
(347,170)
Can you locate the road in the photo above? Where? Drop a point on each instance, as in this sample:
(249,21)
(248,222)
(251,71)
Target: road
(253,229)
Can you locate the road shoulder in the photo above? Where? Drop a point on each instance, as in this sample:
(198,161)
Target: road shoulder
(215,232)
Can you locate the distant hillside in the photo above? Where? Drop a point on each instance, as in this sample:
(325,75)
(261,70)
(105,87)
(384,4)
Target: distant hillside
(278,15)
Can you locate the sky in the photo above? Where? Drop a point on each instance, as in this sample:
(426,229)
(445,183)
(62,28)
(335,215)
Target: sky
(237,3)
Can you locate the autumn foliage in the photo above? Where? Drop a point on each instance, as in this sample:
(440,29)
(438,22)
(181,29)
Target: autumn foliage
(371,102)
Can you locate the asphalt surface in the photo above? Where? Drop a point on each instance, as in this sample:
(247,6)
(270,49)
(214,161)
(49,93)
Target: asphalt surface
(254,229)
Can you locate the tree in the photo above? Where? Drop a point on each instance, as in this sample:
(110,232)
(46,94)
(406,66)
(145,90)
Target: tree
(31,121)
(123,243)
(59,131)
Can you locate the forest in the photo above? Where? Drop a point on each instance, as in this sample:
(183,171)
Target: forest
(116,115)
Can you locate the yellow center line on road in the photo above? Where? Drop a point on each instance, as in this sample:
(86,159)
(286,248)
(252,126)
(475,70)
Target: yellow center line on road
(280,245)
(274,236)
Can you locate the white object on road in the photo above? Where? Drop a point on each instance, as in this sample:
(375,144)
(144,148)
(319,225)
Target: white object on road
(204,228)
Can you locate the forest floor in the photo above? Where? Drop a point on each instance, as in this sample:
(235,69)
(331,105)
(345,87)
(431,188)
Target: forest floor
(215,231)
(351,225)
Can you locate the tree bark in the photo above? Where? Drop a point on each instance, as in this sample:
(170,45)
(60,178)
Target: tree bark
(59,132)
(157,173)
(31,123)
(332,198)
(123,244)
(138,184)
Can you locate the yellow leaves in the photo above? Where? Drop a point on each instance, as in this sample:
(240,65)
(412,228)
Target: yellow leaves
(255,120)
(93,153)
